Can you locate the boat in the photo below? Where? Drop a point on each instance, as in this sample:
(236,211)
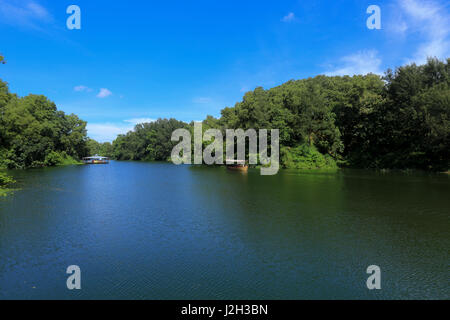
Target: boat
(96,160)
(237,165)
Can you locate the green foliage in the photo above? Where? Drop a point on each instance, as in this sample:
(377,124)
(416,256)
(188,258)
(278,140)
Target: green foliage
(53,158)
(102,149)
(34,133)
(68,160)
(2,59)
(305,156)
(148,141)
(5,180)
(407,125)
(59,159)
(400,121)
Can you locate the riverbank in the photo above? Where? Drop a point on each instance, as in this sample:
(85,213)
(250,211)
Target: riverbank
(6,181)
(69,161)
(313,167)
(60,159)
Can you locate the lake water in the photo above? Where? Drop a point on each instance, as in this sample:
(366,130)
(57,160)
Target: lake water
(158,231)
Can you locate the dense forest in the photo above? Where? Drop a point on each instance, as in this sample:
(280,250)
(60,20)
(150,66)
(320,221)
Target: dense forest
(104,149)
(399,121)
(148,141)
(34,133)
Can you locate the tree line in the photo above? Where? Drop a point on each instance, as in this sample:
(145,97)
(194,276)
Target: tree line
(34,133)
(398,121)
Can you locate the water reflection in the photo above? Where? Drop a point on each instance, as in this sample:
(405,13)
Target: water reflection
(158,231)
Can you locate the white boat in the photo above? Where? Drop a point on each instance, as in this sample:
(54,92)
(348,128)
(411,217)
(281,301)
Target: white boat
(96,160)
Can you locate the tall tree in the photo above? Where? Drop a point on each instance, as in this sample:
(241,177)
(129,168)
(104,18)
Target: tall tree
(34,133)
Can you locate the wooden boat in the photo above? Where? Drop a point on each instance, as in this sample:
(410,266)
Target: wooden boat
(237,165)
(96,160)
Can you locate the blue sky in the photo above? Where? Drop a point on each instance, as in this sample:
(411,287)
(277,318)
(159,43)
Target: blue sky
(140,60)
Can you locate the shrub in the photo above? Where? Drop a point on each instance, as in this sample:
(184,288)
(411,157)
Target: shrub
(306,157)
(5,180)
(53,159)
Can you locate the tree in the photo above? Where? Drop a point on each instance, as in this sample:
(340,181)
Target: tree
(34,133)
(148,141)
(398,121)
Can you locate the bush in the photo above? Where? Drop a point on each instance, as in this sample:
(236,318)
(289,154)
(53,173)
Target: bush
(5,180)
(53,159)
(306,157)
(59,159)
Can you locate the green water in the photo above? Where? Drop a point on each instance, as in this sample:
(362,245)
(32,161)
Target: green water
(158,231)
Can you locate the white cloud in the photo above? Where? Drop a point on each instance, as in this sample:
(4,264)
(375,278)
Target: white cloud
(24,13)
(202,100)
(139,120)
(104,93)
(37,10)
(290,17)
(106,132)
(400,27)
(362,62)
(430,20)
(427,22)
(82,88)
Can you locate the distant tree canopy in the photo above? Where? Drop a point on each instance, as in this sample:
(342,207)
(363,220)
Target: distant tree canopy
(398,121)
(148,141)
(2,59)
(34,133)
(102,149)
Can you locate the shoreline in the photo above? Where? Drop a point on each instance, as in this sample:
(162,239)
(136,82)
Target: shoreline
(384,171)
(73,162)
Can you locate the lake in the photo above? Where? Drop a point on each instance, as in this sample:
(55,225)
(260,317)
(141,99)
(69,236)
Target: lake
(158,231)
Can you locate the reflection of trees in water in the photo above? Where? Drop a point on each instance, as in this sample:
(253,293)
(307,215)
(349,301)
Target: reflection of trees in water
(338,223)
(262,209)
